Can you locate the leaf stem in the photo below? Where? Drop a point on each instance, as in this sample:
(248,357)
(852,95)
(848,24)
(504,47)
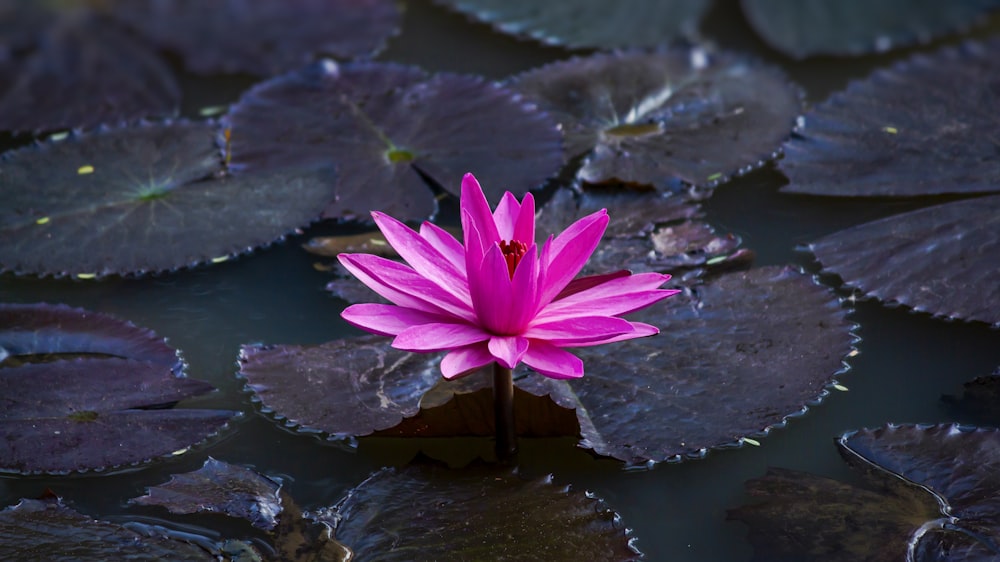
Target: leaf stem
(503,407)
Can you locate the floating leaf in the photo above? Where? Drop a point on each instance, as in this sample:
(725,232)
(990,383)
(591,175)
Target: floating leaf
(37,529)
(980,400)
(590,23)
(102,409)
(219,487)
(429,513)
(387,127)
(662,117)
(944,260)
(262,36)
(150,201)
(922,127)
(84,72)
(802,28)
(931,494)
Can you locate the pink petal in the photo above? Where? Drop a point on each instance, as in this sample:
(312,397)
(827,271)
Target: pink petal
(565,255)
(524,226)
(476,212)
(465,360)
(387,319)
(475,249)
(584,283)
(641,330)
(553,362)
(489,285)
(450,248)
(422,256)
(403,286)
(438,337)
(524,291)
(506,216)
(508,350)
(579,330)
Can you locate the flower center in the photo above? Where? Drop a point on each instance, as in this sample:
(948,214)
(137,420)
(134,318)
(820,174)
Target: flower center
(513,251)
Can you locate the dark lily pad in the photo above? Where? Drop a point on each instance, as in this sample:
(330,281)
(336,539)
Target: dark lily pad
(262,37)
(678,115)
(107,406)
(431,513)
(944,260)
(930,494)
(590,23)
(219,487)
(85,71)
(37,529)
(802,28)
(387,127)
(979,402)
(141,199)
(922,127)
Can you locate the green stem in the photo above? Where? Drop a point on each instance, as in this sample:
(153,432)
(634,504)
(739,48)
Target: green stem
(503,407)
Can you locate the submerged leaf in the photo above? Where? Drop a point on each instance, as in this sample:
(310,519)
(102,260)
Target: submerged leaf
(590,23)
(386,127)
(36,529)
(141,199)
(82,73)
(659,118)
(944,260)
(429,513)
(802,28)
(922,127)
(219,487)
(262,36)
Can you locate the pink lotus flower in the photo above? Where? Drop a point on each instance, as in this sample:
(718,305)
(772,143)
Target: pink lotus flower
(497,297)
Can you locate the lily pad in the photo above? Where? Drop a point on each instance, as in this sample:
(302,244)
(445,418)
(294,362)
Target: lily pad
(106,407)
(431,513)
(979,402)
(930,494)
(388,127)
(262,37)
(659,118)
(917,128)
(802,28)
(83,72)
(588,24)
(141,199)
(33,527)
(944,260)
(219,487)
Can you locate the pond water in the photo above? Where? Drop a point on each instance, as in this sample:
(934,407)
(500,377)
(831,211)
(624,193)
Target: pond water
(677,511)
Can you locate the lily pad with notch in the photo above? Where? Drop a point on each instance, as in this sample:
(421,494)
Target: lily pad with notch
(928,493)
(485,513)
(85,391)
(662,118)
(943,260)
(82,72)
(590,24)
(262,37)
(142,199)
(921,127)
(803,28)
(390,129)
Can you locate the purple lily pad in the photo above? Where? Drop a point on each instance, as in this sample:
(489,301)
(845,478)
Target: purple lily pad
(33,527)
(803,28)
(219,487)
(930,493)
(262,37)
(590,23)
(944,260)
(920,127)
(433,513)
(144,199)
(83,72)
(386,127)
(104,408)
(659,118)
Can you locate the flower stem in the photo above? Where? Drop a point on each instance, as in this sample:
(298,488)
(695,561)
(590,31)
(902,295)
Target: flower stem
(503,407)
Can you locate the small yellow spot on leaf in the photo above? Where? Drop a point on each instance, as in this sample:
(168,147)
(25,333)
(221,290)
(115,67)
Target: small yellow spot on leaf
(86,275)
(715,176)
(179,452)
(853,353)
(715,260)
(43,220)
(220,259)
(840,387)
(84,170)
(377,242)
(753,442)
(890,130)
(211,110)
(59,136)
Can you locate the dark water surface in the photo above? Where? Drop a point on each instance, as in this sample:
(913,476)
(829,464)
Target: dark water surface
(906,361)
